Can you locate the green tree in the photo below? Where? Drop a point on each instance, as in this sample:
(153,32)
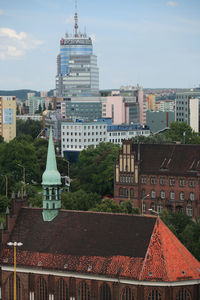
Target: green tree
(29,127)
(182,132)
(1,139)
(4,203)
(95,168)
(152,139)
(79,200)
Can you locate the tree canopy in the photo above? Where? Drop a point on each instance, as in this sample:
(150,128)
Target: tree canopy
(182,132)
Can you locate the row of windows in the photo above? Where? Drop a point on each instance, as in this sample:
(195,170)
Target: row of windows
(85,126)
(172,195)
(88,133)
(84,293)
(164,181)
(85,140)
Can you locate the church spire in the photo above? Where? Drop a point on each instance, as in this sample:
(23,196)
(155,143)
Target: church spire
(51,180)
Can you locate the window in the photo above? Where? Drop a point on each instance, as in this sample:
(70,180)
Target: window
(143,193)
(105,293)
(152,206)
(153,180)
(182,182)
(19,290)
(182,196)
(172,181)
(192,196)
(189,210)
(191,183)
(83,292)
(162,181)
(127,294)
(162,194)
(183,294)
(131,193)
(144,179)
(62,290)
(126,193)
(172,195)
(159,208)
(143,207)
(153,194)
(154,295)
(121,192)
(42,289)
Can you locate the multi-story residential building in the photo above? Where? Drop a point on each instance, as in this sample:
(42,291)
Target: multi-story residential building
(35,103)
(182,106)
(159,176)
(8,117)
(167,105)
(77,71)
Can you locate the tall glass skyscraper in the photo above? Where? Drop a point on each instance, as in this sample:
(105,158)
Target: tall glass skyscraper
(77,71)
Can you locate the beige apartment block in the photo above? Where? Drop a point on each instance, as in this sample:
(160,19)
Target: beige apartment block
(8,117)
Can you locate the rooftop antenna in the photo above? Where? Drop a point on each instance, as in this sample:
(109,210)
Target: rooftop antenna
(76,20)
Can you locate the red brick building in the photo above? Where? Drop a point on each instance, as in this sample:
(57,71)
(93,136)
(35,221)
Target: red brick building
(160,176)
(74,255)
(88,255)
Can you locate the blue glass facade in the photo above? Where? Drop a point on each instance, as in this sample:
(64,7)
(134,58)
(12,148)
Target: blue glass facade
(77,71)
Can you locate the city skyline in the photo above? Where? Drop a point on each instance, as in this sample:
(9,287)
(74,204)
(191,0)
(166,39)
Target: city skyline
(153,43)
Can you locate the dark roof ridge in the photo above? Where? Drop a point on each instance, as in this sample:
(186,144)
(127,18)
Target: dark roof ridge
(95,212)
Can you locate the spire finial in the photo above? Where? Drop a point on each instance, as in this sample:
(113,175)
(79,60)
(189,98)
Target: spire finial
(76,20)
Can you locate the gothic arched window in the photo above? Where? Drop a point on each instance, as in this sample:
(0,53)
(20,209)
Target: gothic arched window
(127,294)
(83,291)
(121,192)
(183,294)
(19,288)
(62,290)
(42,289)
(154,295)
(105,293)
(132,193)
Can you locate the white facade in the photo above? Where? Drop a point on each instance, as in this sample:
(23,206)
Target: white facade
(76,136)
(194,114)
(117,136)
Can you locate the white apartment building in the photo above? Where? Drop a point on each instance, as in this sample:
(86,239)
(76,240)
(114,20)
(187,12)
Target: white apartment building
(76,136)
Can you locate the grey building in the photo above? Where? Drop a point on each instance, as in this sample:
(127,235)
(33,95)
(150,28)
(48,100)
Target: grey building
(159,120)
(77,71)
(182,106)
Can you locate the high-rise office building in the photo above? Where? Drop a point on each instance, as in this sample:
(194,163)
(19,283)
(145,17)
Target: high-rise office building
(77,71)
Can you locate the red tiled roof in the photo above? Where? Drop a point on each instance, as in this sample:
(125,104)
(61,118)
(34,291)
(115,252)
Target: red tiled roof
(161,257)
(167,259)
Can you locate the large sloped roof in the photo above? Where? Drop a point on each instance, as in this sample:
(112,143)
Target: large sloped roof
(168,158)
(132,247)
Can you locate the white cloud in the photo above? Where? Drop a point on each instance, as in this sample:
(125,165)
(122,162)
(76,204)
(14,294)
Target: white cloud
(15,45)
(172,3)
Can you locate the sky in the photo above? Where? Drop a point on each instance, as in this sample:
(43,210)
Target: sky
(154,43)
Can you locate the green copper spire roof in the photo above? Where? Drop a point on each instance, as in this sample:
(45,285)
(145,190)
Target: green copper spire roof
(51,176)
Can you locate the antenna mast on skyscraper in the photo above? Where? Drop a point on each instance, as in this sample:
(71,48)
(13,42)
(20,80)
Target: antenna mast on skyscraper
(76,20)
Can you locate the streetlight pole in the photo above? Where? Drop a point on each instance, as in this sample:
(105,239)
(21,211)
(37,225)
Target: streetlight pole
(14,245)
(142,210)
(23,179)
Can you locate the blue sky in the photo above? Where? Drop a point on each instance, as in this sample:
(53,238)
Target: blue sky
(155,43)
